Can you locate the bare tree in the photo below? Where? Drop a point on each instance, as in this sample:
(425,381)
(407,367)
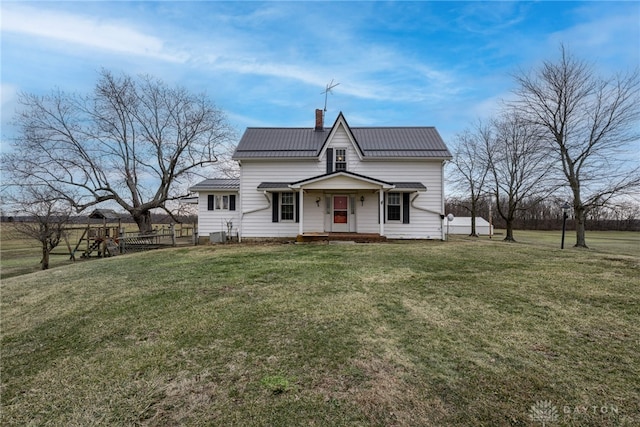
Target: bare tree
(135,142)
(471,168)
(589,121)
(44,218)
(519,167)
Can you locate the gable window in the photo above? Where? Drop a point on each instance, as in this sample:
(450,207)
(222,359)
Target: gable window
(341,159)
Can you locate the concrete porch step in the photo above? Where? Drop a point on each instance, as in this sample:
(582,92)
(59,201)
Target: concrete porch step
(355,237)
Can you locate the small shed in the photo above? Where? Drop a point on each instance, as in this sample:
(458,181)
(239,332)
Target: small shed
(105,214)
(462,225)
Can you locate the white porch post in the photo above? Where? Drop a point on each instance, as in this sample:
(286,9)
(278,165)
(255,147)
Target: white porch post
(301,212)
(381,212)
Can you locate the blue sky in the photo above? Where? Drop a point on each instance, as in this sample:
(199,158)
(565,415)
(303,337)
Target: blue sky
(440,64)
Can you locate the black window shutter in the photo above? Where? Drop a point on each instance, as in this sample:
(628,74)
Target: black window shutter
(232,202)
(274,207)
(405,208)
(329,160)
(297,207)
(210,198)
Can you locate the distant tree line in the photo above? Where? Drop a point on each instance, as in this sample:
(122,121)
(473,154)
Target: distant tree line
(84,219)
(547,215)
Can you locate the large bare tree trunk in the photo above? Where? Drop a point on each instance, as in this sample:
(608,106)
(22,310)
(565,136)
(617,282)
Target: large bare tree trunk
(143,220)
(509,237)
(580,216)
(45,256)
(473,221)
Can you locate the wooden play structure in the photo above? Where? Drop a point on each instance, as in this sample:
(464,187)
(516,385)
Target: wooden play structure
(99,240)
(105,236)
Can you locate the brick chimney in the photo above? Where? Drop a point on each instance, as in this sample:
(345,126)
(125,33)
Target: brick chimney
(319,120)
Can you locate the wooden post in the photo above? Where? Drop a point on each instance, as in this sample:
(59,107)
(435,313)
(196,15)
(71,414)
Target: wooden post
(104,238)
(194,233)
(88,236)
(121,240)
(71,254)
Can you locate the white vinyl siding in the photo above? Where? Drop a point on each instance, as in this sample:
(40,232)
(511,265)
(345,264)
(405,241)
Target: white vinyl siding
(424,225)
(216,220)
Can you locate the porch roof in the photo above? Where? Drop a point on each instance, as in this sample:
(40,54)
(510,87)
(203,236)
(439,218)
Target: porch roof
(367,181)
(336,174)
(216,184)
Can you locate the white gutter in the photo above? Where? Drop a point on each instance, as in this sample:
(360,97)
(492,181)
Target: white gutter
(442,198)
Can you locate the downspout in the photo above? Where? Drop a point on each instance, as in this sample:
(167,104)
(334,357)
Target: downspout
(264,193)
(423,209)
(440,214)
(301,212)
(442,200)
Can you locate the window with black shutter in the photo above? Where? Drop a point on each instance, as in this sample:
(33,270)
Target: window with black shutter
(405,208)
(275,207)
(329,160)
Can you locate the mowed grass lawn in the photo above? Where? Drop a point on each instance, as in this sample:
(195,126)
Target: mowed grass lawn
(452,333)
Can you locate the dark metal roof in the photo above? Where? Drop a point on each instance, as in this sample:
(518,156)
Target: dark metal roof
(105,214)
(273,185)
(217,184)
(409,186)
(375,142)
(401,142)
(279,142)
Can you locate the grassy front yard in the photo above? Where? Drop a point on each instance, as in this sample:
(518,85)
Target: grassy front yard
(427,333)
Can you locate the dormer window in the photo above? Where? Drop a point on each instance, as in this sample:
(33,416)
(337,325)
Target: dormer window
(341,159)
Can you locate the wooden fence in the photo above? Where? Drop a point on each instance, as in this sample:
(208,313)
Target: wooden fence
(111,240)
(129,242)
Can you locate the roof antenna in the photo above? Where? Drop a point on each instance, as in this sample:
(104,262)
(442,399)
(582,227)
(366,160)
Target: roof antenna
(326,91)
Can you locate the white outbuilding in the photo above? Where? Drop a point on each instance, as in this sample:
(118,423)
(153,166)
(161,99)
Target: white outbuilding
(462,225)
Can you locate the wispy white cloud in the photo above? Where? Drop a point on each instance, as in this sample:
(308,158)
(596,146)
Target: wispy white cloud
(490,18)
(266,63)
(112,36)
(599,33)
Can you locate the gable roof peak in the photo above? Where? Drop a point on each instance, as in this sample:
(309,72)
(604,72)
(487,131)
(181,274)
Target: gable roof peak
(341,120)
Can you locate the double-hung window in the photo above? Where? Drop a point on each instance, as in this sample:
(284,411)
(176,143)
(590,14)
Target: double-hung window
(287,206)
(398,207)
(341,159)
(394,206)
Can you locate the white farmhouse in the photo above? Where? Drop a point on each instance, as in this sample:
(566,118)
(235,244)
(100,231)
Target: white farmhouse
(305,182)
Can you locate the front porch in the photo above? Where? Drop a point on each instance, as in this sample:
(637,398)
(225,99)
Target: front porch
(328,237)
